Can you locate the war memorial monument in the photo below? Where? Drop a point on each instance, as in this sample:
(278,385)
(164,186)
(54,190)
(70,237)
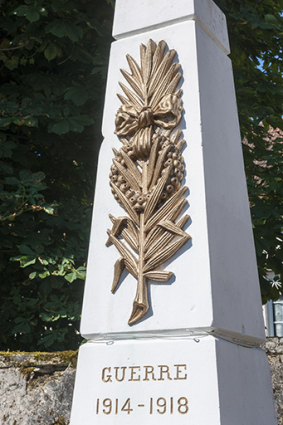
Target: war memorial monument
(172,310)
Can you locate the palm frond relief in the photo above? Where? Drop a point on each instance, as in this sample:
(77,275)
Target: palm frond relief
(147,172)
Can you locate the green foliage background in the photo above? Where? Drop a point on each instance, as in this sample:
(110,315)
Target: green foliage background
(53,63)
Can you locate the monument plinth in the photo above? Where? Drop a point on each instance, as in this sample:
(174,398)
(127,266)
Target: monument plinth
(177,337)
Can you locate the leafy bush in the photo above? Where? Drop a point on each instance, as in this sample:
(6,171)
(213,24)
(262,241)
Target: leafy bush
(255,30)
(53,60)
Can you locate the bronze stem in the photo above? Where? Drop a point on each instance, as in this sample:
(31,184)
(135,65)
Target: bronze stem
(141,305)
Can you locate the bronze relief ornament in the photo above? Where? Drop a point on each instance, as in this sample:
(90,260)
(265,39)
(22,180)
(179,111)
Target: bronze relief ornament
(147,172)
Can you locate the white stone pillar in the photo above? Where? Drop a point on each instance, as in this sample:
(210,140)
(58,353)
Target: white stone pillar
(195,357)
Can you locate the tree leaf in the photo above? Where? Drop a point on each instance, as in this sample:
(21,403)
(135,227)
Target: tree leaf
(21,10)
(26,250)
(27,261)
(70,277)
(61,127)
(270,19)
(12,181)
(51,52)
(78,95)
(5,168)
(32,15)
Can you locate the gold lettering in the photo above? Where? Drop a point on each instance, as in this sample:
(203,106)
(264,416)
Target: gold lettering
(178,372)
(149,370)
(149,374)
(164,370)
(133,373)
(106,378)
(116,373)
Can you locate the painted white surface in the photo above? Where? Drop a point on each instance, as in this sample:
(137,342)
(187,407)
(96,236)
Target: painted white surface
(215,284)
(244,385)
(234,278)
(220,386)
(134,17)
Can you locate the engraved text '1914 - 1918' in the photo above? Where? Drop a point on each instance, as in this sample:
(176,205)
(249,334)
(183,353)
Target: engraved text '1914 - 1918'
(150,405)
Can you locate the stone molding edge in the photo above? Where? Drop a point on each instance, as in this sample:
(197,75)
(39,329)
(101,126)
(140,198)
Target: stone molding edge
(211,35)
(188,334)
(187,18)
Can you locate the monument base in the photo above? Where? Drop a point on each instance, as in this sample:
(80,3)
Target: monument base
(196,381)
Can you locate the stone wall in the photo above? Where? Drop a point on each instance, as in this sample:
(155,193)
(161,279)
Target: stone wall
(274,351)
(37,388)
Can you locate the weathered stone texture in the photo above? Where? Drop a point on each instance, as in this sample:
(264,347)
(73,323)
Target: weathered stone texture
(274,351)
(38,388)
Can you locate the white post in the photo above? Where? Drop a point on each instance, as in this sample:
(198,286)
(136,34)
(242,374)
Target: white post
(194,357)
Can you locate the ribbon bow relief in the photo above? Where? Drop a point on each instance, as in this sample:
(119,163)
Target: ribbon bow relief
(131,120)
